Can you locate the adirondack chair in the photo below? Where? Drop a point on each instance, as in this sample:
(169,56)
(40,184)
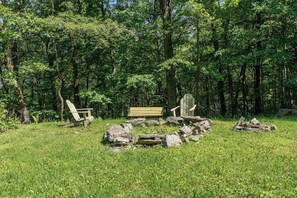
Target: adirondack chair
(187,106)
(87,117)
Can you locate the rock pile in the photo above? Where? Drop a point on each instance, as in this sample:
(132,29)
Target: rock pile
(193,128)
(252,126)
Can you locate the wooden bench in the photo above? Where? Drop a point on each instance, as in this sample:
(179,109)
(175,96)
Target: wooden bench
(145,111)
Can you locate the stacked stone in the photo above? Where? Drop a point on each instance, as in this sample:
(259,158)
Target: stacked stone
(193,128)
(252,126)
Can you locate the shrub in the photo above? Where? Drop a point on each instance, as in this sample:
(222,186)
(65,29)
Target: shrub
(5,121)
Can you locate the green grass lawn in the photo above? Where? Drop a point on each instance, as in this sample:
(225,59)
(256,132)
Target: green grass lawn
(45,160)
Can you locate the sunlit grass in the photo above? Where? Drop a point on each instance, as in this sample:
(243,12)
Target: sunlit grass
(45,160)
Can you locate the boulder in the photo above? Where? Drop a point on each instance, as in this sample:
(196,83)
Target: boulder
(173,121)
(172,140)
(152,123)
(117,135)
(137,122)
(162,121)
(254,121)
(194,138)
(127,126)
(186,130)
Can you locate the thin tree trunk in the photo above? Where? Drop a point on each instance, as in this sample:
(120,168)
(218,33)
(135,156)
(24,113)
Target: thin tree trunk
(112,60)
(87,81)
(233,99)
(281,86)
(59,84)
(197,73)
(257,73)
(207,90)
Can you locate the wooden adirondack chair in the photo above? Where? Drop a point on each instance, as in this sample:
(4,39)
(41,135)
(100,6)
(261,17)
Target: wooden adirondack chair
(187,106)
(87,117)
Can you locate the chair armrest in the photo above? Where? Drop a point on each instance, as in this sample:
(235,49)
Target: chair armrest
(173,109)
(84,109)
(193,108)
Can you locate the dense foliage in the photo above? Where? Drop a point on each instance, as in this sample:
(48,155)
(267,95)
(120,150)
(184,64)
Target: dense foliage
(234,56)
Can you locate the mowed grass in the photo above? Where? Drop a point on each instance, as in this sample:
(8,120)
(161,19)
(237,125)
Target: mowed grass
(45,160)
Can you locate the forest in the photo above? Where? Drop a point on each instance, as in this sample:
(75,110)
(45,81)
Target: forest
(236,57)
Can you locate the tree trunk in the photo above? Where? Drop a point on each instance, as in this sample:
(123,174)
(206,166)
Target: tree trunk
(112,60)
(257,73)
(11,62)
(207,90)
(244,90)
(165,8)
(59,84)
(233,99)
(233,102)
(2,82)
(87,81)
(197,73)
(75,78)
(51,59)
(220,83)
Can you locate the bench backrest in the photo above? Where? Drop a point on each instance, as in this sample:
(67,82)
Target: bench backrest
(73,110)
(145,111)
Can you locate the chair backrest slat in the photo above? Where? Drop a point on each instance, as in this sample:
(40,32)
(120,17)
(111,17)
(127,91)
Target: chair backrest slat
(73,110)
(186,103)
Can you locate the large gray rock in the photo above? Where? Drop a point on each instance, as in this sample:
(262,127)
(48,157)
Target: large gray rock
(205,124)
(195,119)
(194,138)
(152,123)
(173,121)
(117,135)
(127,126)
(254,121)
(172,140)
(162,121)
(185,130)
(137,122)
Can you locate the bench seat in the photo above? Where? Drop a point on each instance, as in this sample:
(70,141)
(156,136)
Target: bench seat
(145,111)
